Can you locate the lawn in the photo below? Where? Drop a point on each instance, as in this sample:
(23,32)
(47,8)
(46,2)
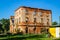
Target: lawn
(25,37)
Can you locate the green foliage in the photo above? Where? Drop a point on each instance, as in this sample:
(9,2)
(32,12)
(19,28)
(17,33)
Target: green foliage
(57,39)
(5,24)
(54,23)
(25,37)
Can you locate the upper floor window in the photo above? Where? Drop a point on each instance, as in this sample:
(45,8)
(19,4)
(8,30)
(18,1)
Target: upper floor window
(26,11)
(16,14)
(26,19)
(40,13)
(19,19)
(47,23)
(34,13)
(41,20)
(48,15)
(12,20)
(48,20)
(34,19)
(19,11)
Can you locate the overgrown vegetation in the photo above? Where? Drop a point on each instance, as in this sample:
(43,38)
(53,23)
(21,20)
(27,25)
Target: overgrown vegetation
(4,28)
(54,23)
(23,37)
(4,25)
(27,37)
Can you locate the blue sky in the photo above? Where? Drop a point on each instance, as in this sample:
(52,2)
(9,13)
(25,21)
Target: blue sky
(7,7)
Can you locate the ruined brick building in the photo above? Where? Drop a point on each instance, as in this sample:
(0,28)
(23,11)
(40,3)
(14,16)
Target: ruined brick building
(30,20)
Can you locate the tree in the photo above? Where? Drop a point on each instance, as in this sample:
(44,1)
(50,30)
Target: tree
(1,29)
(5,24)
(54,23)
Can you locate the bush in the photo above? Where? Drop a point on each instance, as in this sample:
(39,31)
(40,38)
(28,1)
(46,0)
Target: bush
(57,39)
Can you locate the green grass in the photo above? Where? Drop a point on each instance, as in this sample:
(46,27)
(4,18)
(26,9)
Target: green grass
(26,37)
(39,39)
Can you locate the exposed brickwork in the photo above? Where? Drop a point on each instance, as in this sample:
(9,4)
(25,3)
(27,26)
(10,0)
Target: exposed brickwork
(25,22)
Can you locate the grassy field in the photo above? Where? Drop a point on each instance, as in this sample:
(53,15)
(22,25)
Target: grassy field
(26,37)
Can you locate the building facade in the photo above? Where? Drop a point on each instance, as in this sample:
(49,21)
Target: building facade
(31,20)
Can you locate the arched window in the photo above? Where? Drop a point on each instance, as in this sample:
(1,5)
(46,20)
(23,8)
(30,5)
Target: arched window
(41,20)
(47,23)
(12,20)
(27,19)
(34,19)
(40,13)
(34,13)
(19,19)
